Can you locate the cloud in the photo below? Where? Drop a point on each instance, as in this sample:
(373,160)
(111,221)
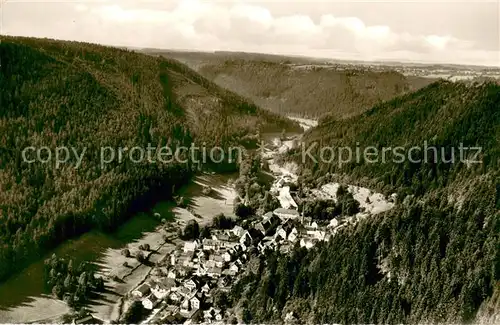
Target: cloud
(210,25)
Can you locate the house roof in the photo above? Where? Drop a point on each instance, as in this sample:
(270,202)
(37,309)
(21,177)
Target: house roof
(216,258)
(216,270)
(143,288)
(286,211)
(167,282)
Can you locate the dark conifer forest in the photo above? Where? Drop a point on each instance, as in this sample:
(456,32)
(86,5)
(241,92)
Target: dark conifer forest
(79,95)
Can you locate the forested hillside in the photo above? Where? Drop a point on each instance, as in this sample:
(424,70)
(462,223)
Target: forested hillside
(307,91)
(435,258)
(300,87)
(78,95)
(443,115)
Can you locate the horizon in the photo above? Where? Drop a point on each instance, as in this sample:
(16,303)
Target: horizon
(420,32)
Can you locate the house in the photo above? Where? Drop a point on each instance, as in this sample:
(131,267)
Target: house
(218,260)
(150,302)
(238,231)
(333,223)
(173,259)
(201,255)
(175,296)
(308,242)
(186,259)
(246,238)
(191,246)
(210,244)
(221,237)
(227,257)
(293,235)
(225,281)
(317,234)
(269,221)
(162,287)
(243,247)
(141,291)
(206,288)
(280,234)
(234,268)
(190,284)
(195,303)
(202,269)
(208,315)
(172,274)
(184,292)
(285,214)
(214,272)
(185,306)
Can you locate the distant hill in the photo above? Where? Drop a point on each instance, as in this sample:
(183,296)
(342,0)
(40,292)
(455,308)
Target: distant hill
(69,94)
(299,86)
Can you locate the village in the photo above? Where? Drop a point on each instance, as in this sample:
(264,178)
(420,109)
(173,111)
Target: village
(182,286)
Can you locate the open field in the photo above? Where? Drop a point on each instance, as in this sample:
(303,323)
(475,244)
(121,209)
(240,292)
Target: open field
(108,305)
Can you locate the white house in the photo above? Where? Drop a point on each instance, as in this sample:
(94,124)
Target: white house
(280,234)
(238,231)
(245,238)
(162,288)
(195,303)
(293,235)
(227,257)
(333,223)
(201,270)
(172,274)
(142,290)
(210,244)
(217,259)
(150,302)
(307,243)
(185,306)
(190,284)
(175,296)
(214,272)
(234,268)
(191,246)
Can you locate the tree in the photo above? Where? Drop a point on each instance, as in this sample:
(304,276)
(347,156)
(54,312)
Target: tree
(68,282)
(205,232)
(140,257)
(57,291)
(221,299)
(220,221)
(247,316)
(82,280)
(125,252)
(242,211)
(191,230)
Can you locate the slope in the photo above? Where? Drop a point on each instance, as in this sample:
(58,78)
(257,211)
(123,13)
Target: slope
(443,115)
(84,97)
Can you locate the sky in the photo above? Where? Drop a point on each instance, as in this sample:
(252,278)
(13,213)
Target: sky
(461,32)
